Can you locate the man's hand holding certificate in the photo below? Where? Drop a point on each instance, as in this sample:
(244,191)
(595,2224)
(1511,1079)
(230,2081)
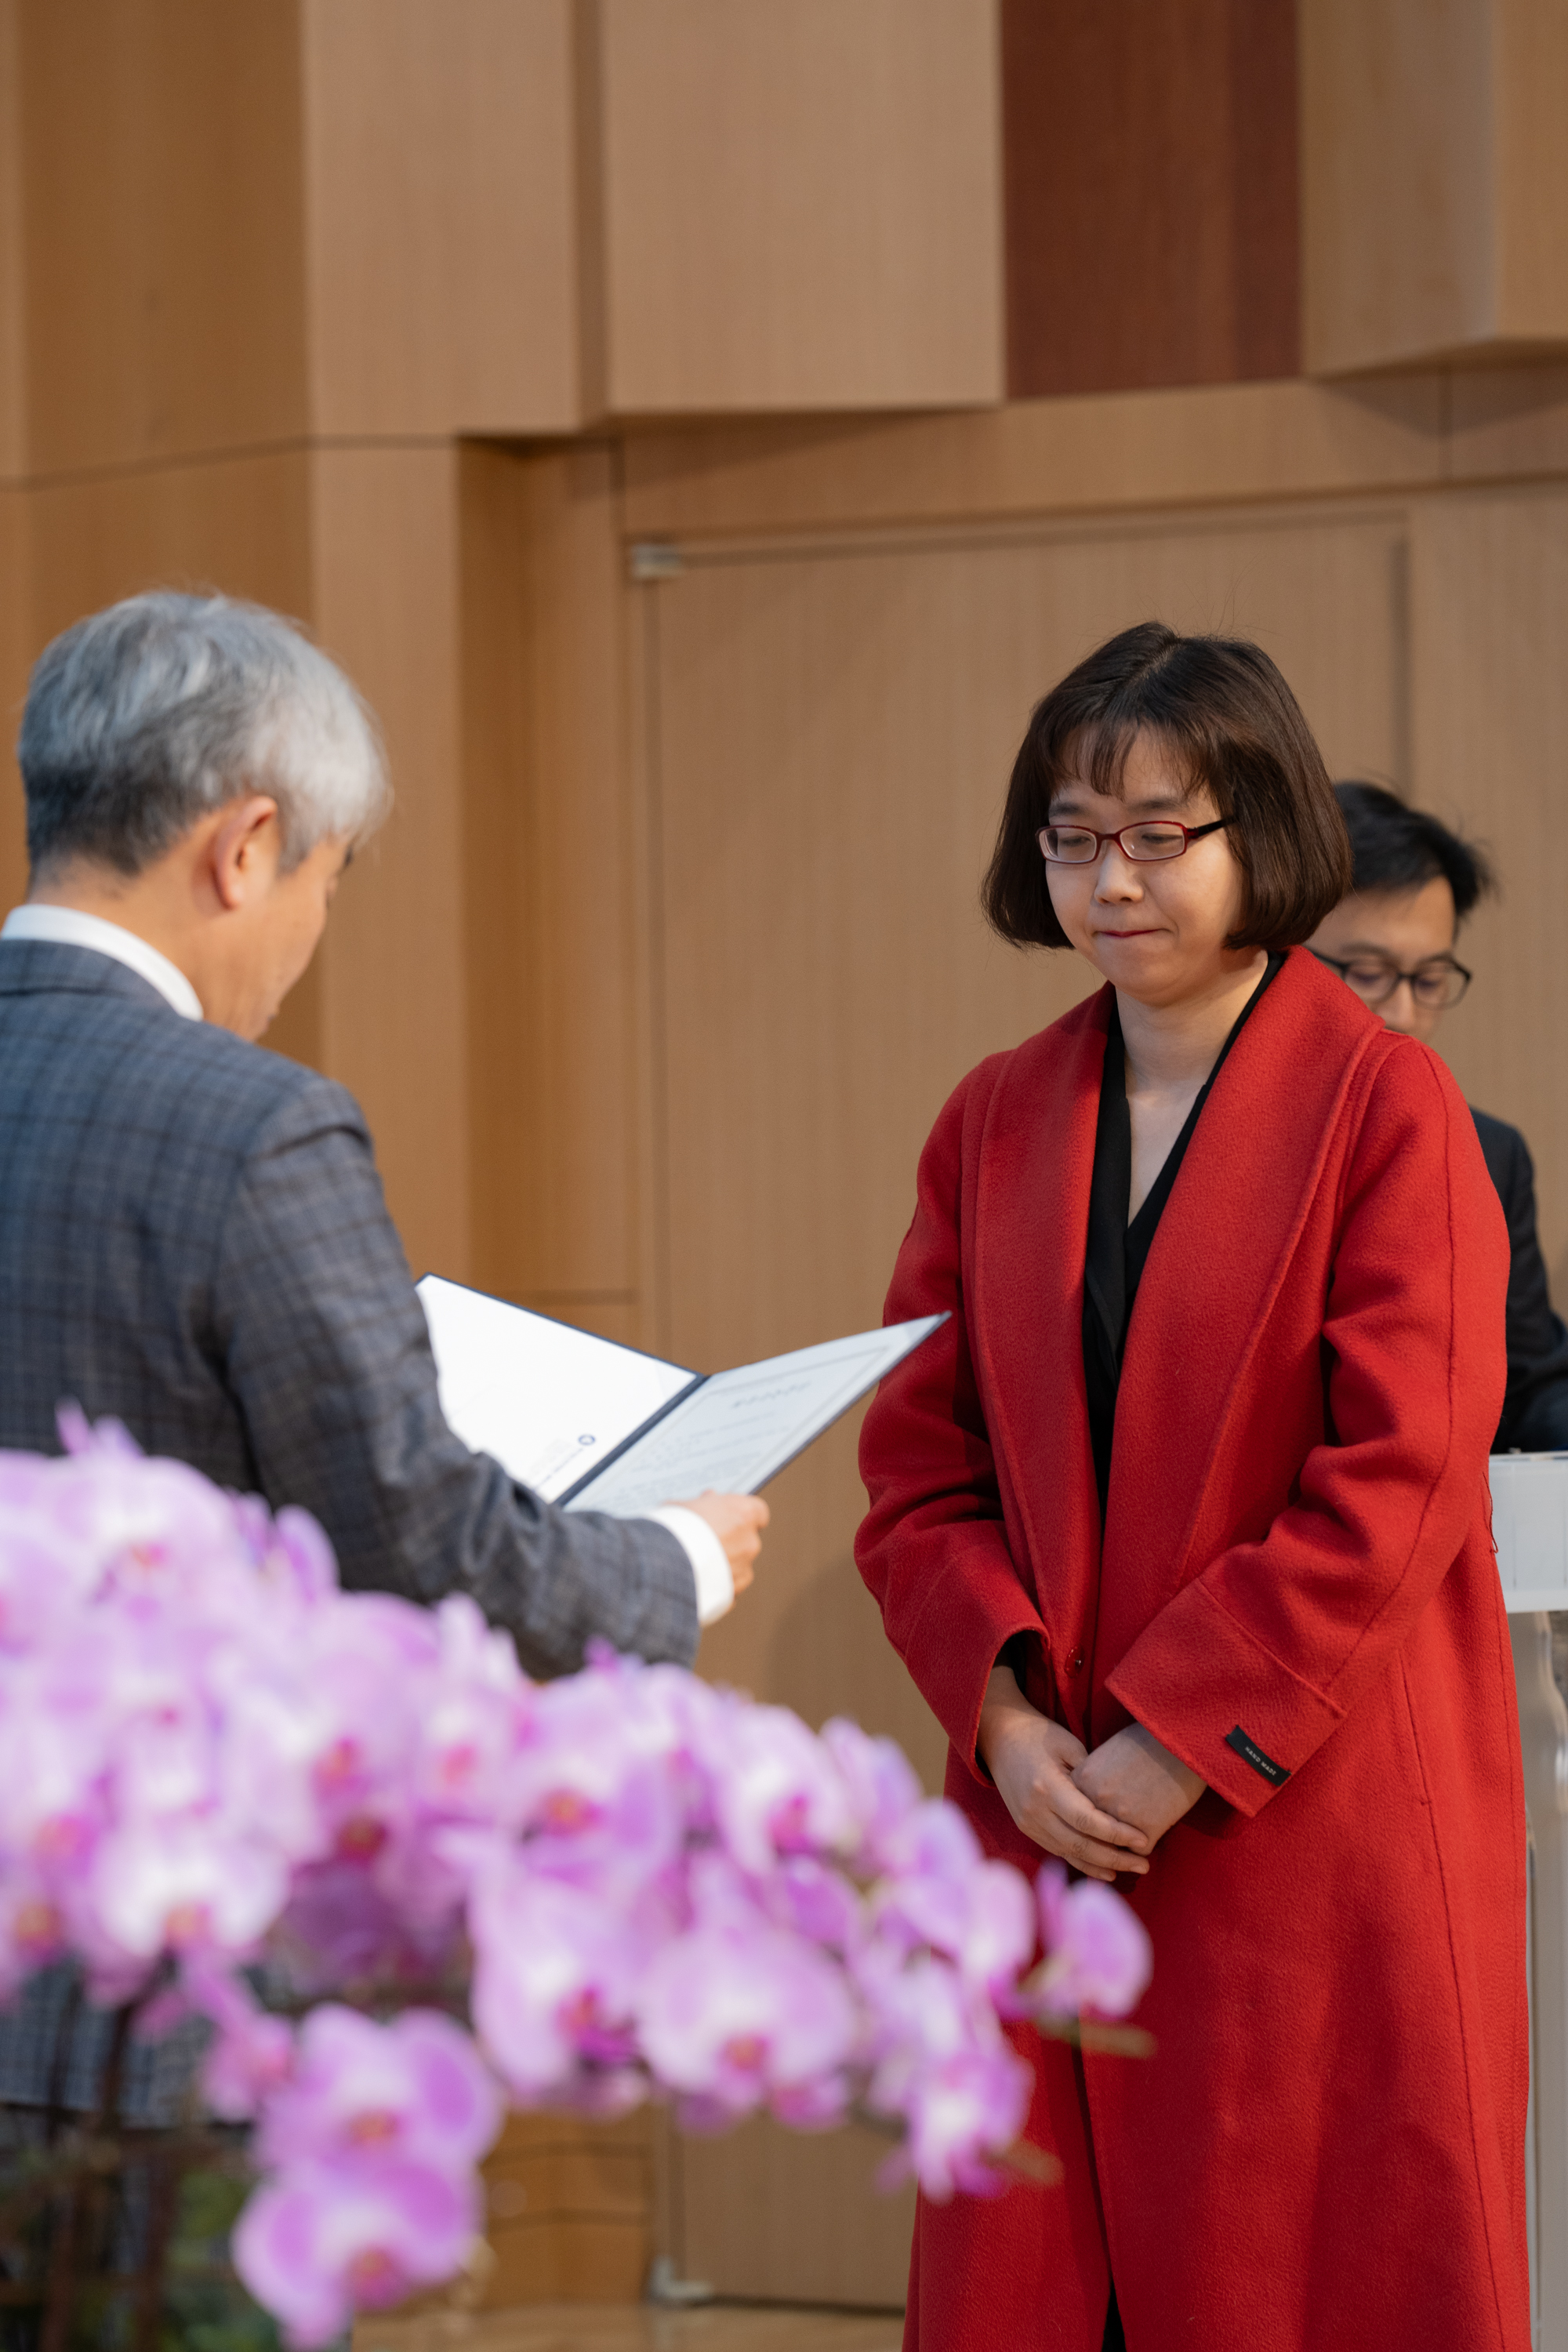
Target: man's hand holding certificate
(737,1521)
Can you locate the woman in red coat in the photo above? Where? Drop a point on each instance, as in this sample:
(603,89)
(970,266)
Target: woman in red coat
(1180,1525)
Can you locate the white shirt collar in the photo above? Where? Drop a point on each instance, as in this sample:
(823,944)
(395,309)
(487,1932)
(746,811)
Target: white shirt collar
(68,927)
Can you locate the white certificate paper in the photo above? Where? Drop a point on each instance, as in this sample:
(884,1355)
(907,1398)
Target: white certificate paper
(600,1427)
(547,1402)
(738,1429)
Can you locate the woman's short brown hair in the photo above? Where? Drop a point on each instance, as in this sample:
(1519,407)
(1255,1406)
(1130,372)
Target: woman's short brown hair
(1219,706)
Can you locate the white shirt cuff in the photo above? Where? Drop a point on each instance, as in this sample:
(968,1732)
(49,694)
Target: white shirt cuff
(710,1564)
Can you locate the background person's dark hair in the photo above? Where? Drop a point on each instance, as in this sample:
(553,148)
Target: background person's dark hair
(1222,709)
(1393,848)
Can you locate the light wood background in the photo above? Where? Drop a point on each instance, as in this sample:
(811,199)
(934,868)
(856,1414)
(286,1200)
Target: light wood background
(265,271)
(755,256)
(1434,180)
(421,320)
(749,873)
(671,949)
(604,2326)
(1153,149)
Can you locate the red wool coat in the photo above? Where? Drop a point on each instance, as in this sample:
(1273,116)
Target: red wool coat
(1326,2152)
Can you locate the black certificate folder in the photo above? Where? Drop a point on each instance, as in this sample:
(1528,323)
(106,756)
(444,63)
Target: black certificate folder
(598,1427)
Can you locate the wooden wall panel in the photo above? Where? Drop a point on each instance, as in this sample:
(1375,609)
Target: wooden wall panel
(801,204)
(833,730)
(163,187)
(1530,104)
(1225,444)
(569,2210)
(1489,612)
(242,527)
(384,578)
(1396,165)
(13,418)
(15,648)
(15,651)
(1508,423)
(765,2215)
(553,887)
(442,229)
(496,648)
(1152,197)
(552,2329)
(1434,180)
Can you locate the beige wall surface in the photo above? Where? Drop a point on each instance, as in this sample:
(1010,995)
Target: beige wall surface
(1228,445)
(1398,210)
(241,523)
(441,203)
(13,420)
(569,2211)
(1530,106)
(1489,705)
(392,984)
(1507,423)
(780,672)
(163,205)
(366,218)
(349,217)
(654,982)
(552,912)
(14,652)
(801,204)
(1434,180)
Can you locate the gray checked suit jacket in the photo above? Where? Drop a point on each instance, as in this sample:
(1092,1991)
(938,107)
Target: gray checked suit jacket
(193,1239)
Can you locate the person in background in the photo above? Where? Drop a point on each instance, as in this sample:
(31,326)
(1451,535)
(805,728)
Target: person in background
(1392,940)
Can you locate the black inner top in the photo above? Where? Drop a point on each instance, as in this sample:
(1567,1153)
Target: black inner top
(1118,1250)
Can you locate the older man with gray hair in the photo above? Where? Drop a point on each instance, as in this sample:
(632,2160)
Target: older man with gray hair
(193,1236)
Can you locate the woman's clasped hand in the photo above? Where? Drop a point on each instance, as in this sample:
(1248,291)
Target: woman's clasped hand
(1102,1812)
(1135,1778)
(1034,1763)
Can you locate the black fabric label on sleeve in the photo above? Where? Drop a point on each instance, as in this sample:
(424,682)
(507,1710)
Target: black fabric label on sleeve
(1250,1753)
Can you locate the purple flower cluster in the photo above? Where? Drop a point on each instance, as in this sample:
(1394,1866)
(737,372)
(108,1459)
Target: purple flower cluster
(370,2144)
(217,1771)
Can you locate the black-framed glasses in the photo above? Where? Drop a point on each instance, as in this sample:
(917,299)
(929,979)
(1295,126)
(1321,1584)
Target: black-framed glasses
(1146,843)
(1436,984)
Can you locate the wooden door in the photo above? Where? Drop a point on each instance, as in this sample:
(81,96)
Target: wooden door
(827,735)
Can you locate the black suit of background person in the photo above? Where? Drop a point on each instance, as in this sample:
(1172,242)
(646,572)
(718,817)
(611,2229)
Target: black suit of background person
(1392,940)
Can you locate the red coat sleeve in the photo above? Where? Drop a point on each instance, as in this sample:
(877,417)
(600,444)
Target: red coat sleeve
(933,1548)
(1281,1636)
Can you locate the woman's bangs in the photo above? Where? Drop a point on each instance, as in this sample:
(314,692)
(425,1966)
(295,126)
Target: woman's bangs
(1097,754)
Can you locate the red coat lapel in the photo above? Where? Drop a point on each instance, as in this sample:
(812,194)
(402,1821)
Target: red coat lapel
(1235,1214)
(1245,1187)
(1031,1225)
